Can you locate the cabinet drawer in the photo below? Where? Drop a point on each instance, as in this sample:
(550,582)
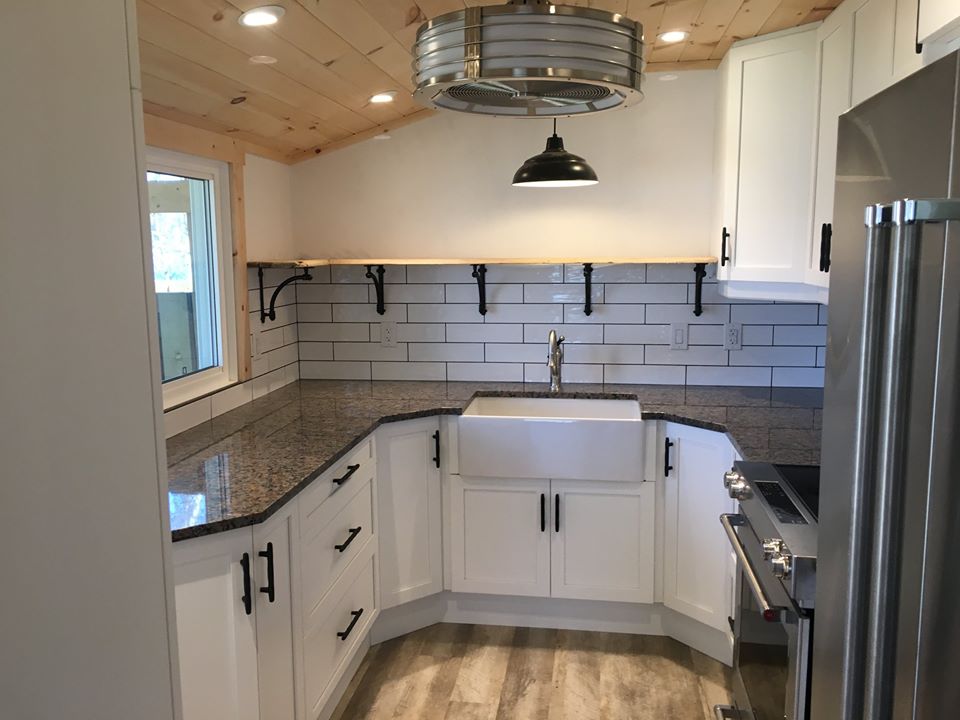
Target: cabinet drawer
(355,468)
(325,649)
(328,552)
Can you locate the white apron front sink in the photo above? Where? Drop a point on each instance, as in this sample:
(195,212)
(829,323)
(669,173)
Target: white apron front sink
(552,438)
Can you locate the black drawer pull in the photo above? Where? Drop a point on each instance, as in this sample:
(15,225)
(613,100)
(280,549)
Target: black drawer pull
(246,598)
(436,446)
(667,467)
(344,634)
(543,512)
(346,543)
(271,588)
(556,513)
(828,245)
(351,469)
(723,247)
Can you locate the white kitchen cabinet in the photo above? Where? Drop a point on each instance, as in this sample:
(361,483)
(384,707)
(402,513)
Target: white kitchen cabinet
(409,509)
(500,536)
(602,541)
(216,634)
(698,572)
(765,165)
(939,20)
(874,24)
(275,591)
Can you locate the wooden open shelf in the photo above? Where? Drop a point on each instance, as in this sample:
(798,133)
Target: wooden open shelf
(600,260)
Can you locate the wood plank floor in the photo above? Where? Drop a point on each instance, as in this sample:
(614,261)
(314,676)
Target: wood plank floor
(482,672)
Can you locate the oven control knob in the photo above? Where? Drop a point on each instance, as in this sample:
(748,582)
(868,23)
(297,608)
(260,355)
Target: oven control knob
(771,548)
(782,564)
(736,486)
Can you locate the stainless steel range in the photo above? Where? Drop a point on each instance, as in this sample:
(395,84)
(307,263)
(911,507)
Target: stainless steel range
(774,537)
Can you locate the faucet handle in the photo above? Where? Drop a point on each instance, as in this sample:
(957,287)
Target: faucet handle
(560,339)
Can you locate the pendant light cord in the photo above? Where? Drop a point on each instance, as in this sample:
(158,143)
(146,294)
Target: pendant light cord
(554,127)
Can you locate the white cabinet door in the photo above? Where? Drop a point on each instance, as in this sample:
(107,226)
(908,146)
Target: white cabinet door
(766,162)
(409,503)
(874,23)
(939,20)
(697,573)
(835,39)
(216,635)
(275,588)
(602,545)
(500,536)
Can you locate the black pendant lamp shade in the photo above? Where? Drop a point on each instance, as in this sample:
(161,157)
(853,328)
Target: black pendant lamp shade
(555,167)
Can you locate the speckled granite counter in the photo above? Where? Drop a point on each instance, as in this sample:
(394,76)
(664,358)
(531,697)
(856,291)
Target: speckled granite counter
(242,466)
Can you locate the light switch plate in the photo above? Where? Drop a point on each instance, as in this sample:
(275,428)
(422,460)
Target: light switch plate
(732,336)
(678,336)
(388,334)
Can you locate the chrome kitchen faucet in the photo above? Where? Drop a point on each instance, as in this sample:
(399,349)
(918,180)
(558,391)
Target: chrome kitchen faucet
(555,360)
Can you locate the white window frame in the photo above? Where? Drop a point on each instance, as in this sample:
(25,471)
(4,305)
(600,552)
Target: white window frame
(191,387)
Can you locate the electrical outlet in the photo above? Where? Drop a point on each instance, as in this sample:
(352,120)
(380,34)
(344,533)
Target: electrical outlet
(732,336)
(388,334)
(678,336)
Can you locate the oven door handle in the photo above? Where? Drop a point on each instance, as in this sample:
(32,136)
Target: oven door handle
(768,610)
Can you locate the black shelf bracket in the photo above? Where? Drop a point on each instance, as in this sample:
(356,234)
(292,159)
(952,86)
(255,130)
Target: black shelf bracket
(588,288)
(378,286)
(480,273)
(272,312)
(699,273)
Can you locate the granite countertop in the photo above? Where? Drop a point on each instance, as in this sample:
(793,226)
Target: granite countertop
(240,467)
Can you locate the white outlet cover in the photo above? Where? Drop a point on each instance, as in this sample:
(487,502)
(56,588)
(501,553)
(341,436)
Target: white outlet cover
(388,334)
(733,336)
(679,337)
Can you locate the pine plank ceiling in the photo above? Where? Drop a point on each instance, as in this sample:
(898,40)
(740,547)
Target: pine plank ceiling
(332,55)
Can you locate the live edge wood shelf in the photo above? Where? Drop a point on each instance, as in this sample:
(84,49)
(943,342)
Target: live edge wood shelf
(376,269)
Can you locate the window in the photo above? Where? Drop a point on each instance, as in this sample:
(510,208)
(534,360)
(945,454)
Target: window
(193,278)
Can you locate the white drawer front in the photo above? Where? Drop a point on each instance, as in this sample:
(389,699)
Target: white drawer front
(328,552)
(324,650)
(356,468)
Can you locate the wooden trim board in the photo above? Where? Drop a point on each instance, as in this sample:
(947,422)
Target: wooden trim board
(600,260)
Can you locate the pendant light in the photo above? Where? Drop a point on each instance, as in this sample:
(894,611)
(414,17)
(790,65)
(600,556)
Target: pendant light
(555,167)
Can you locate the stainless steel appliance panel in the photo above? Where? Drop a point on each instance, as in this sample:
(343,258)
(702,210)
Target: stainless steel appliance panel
(898,144)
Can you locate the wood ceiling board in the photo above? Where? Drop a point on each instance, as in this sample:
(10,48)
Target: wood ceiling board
(677,15)
(365,135)
(648,13)
(661,67)
(218,19)
(745,24)
(161,63)
(709,29)
(401,18)
(790,13)
(180,38)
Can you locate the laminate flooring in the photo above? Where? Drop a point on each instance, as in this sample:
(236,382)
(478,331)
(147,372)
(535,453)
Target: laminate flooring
(483,672)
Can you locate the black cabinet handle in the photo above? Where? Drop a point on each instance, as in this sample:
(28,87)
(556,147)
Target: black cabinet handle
(351,469)
(270,588)
(556,513)
(246,598)
(723,247)
(436,448)
(344,634)
(827,245)
(543,512)
(823,244)
(667,467)
(350,538)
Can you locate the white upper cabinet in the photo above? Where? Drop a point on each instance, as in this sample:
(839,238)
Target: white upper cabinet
(765,165)
(874,24)
(939,20)
(409,502)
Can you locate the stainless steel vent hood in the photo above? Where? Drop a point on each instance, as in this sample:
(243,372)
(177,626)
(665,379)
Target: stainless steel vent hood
(529,58)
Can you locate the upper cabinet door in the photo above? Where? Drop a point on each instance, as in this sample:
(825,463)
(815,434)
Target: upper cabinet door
(765,157)
(835,40)
(874,23)
(409,501)
(939,20)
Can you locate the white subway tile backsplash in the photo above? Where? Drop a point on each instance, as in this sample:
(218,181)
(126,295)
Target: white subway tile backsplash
(526,313)
(316,351)
(268,340)
(669,272)
(368,351)
(540,373)
(621,314)
(357,274)
(821,356)
(667,314)
(485,372)
(797,377)
(745,376)
(489,332)
(636,334)
(646,293)
(291,334)
(757,335)
(561,293)
(316,293)
(496,293)
(645,374)
(409,294)
(775,314)
(607,273)
(774,356)
(412,332)
(231,398)
(613,354)
(822,315)
(281,357)
(443,274)
(287,296)
(312,312)
(322,370)
(538,333)
(368,313)
(450,352)
(409,371)
(525,273)
(443,313)
(344,332)
(800,335)
(711,294)
(693,355)
(703,335)
(516,352)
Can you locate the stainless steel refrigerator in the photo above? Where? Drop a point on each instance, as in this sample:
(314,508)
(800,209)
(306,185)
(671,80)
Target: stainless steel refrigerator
(887,625)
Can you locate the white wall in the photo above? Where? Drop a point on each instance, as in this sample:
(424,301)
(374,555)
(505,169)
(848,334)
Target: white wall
(267,194)
(84,606)
(441,187)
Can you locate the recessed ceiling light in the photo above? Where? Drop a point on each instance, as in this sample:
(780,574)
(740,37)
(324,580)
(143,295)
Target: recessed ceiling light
(258,17)
(673,36)
(385,135)
(383,97)
(263,59)
(667,77)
